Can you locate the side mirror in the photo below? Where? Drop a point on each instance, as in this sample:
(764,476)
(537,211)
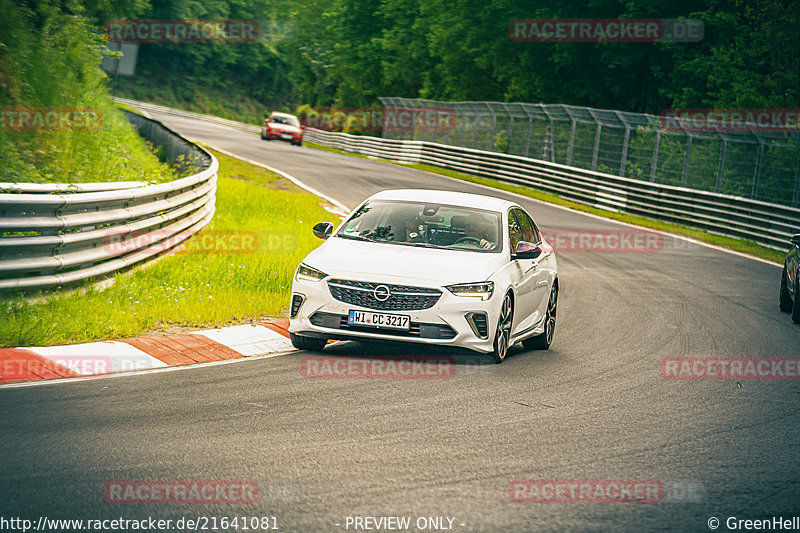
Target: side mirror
(323,230)
(526,250)
(302,126)
(795,239)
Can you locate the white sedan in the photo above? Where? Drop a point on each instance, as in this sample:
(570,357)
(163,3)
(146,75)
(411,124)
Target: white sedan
(433,267)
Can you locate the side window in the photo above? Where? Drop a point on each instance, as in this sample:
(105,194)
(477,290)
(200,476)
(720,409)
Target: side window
(535,234)
(525,225)
(514,230)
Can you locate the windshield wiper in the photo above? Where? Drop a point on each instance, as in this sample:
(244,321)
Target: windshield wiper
(355,238)
(420,244)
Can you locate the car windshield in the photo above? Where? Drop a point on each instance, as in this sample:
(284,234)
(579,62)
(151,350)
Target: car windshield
(289,121)
(425,225)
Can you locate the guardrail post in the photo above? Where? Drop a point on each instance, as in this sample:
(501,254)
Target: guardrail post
(757,174)
(596,145)
(721,168)
(417,134)
(624,157)
(510,134)
(686,159)
(571,140)
(654,164)
(546,141)
(528,138)
(492,137)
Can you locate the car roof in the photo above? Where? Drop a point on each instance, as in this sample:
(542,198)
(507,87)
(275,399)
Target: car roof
(279,114)
(431,196)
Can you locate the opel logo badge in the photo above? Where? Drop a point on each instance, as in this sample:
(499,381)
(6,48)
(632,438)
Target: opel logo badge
(381,293)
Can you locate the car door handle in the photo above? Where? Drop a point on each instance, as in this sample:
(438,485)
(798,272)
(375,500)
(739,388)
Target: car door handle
(537,261)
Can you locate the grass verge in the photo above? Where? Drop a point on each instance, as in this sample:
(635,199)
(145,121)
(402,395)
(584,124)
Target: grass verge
(738,245)
(127,108)
(230,103)
(237,269)
(58,124)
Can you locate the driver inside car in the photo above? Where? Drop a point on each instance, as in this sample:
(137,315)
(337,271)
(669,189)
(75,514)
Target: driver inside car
(476,229)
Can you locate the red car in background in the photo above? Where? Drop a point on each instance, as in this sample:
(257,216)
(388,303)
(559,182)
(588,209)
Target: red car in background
(284,127)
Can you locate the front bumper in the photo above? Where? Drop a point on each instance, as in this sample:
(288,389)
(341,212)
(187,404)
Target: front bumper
(277,136)
(450,322)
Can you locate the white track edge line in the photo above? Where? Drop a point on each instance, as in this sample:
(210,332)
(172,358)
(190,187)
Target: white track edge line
(286,175)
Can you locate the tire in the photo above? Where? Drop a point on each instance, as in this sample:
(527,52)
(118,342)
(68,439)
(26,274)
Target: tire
(786,295)
(796,306)
(310,344)
(545,339)
(502,335)
(263,137)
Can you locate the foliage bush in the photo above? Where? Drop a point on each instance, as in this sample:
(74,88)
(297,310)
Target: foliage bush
(50,60)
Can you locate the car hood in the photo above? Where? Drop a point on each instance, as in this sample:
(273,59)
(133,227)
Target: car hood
(285,128)
(398,263)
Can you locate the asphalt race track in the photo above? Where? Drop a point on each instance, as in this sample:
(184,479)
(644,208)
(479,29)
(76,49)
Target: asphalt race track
(593,407)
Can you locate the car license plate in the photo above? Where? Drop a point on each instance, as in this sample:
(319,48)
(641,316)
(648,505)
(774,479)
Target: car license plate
(378,320)
(286,136)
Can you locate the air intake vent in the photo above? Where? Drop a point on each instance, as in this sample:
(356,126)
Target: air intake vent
(297,301)
(479,324)
(416,329)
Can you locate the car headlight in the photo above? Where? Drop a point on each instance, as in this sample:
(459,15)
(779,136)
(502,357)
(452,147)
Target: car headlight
(481,290)
(306,273)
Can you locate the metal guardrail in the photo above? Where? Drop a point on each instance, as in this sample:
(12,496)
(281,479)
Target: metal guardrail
(765,223)
(52,235)
(748,162)
(144,106)
(56,188)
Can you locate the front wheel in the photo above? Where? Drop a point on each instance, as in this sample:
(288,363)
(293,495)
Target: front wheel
(786,294)
(545,339)
(310,344)
(502,336)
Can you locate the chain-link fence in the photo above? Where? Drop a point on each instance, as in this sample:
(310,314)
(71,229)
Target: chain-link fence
(753,164)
